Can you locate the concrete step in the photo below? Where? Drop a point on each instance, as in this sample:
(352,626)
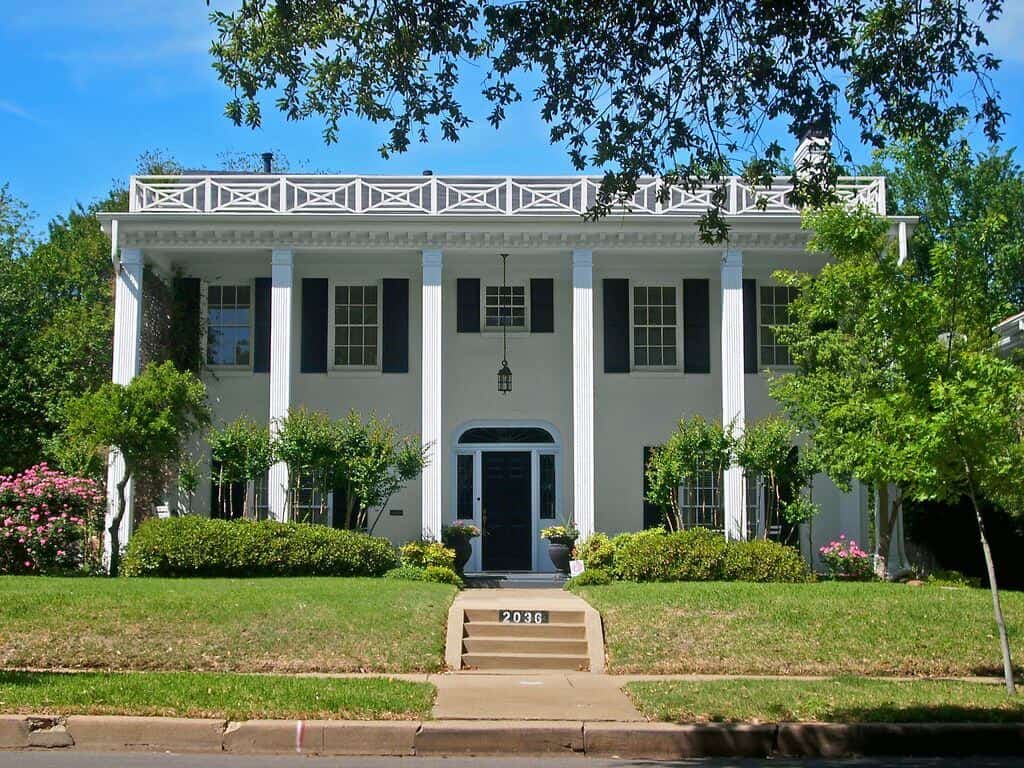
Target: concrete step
(492,614)
(550,631)
(521,661)
(524,645)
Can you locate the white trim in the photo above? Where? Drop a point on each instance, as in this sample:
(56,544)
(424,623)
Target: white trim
(127,352)
(281,268)
(495,330)
(733,394)
(204,317)
(432,366)
(583,390)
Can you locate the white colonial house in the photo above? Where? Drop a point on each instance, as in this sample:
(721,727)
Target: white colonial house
(386,294)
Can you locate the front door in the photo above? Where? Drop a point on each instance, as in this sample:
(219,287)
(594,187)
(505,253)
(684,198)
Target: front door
(506,502)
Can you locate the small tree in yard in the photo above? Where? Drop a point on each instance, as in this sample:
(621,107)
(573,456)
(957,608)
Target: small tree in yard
(305,442)
(696,447)
(767,450)
(146,422)
(375,462)
(241,449)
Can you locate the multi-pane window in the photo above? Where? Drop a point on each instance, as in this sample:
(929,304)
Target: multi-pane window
(261,497)
(356,325)
(654,326)
(753,504)
(228,309)
(699,501)
(309,504)
(464,482)
(775,301)
(547,486)
(505,306)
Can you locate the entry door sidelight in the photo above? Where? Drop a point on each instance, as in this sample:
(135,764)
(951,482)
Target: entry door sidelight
(507,518)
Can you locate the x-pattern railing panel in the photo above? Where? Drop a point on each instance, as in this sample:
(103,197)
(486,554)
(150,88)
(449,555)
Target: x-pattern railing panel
(466,195)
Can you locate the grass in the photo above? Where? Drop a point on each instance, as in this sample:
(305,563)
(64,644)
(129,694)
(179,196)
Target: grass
(237,625)
(846,700)
(826,628)
(220,695)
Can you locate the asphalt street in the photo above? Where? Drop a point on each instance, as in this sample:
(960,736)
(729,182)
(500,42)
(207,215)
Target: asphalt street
(60,759)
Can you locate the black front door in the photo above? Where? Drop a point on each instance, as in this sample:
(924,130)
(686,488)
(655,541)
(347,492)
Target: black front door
(508,533)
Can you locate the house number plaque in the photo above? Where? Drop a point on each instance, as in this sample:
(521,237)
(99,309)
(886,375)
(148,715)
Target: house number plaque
(522,617)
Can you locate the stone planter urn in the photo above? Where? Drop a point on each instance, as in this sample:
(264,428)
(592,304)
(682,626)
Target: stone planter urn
(463,551)
(560,552)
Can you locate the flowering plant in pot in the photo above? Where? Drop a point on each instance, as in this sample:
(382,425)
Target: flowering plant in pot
(459,536)
(561,539)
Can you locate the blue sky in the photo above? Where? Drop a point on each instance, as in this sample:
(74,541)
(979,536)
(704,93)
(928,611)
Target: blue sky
(89,86)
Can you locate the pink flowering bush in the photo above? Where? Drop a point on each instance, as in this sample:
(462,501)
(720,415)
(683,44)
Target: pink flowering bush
(49,521)
(844,559)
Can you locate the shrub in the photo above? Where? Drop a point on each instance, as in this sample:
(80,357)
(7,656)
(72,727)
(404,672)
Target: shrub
(641,556)
(764,561)
(590,578)
(844,559)
(442,575)
(697,554)
(434,573)
(596,552)
(197,546)
(49,521)
(424,554)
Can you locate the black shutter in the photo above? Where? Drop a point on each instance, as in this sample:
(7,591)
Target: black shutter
(542,305)
(339,505)
(261,326)
(314,325)
(186,325)
(229,504)
(616,325)
(696,326)
(468,298)
(653,514)
(394,357)
(749,325)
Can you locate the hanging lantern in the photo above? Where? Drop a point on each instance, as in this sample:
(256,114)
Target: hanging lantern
(504,317)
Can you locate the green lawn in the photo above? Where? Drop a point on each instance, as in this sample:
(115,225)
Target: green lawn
(241,625)
(211,694)
(846,700)
(826,628)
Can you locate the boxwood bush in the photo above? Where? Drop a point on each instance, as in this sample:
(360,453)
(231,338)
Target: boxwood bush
(197,546)
(699,554)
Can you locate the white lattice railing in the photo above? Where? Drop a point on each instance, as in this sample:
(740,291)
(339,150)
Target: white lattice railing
(460,195)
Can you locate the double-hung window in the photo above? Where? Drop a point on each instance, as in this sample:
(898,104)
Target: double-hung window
(505,306)
(309,503)
(356,326)
(654,327)
(699,501)
(775,301)
(228,325)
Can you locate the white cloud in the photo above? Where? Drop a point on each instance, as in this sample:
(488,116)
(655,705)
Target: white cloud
(10,108)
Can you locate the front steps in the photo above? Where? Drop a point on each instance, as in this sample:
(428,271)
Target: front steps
(478,640)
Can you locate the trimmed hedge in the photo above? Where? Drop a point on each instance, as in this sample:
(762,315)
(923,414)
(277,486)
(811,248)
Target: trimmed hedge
(425,554)
(198,546)
(697,554)
(435,573)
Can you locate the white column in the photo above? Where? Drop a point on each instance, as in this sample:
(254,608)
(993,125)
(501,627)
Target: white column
(733,399)
(583,390)
(432,394)
(127,343)
(281,264)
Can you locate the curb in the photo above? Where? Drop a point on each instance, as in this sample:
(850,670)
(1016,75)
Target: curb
(639,740)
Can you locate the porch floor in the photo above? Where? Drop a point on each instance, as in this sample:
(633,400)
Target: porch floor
(513,580)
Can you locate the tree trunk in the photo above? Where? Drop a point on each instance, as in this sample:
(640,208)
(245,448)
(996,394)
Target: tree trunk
(886,523)
(1004,642)
(114,529)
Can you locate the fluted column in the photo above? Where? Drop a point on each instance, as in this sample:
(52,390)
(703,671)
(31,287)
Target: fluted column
(733,397)
(583,390)
(127,345)
(432,394)
(281,269)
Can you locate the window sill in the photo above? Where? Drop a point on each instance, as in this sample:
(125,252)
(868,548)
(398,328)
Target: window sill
(228,372)
(353,373)
(657,373)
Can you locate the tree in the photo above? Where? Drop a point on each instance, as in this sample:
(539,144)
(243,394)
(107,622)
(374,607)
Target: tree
(696,448)
(375,462)
(681,90)
(305,442)
(241,452)
(862,337)
(767,450)
(146,421)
